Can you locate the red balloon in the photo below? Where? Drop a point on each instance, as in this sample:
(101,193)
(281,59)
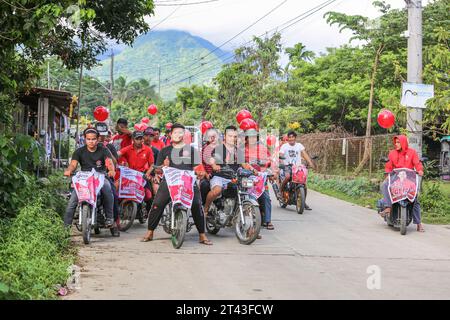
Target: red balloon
(101,113)
(145,120)
(152,109)
(248,124)
(271,140)
(169,125)
(205,126)
(242,115)
(386,119)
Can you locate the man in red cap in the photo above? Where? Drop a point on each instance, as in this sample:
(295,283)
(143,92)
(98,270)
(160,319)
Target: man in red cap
(403,157)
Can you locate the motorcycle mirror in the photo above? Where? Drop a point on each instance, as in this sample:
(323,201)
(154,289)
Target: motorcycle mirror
(424,159)
(384,159)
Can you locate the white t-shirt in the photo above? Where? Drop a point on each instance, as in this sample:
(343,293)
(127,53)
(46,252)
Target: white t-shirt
(293,154)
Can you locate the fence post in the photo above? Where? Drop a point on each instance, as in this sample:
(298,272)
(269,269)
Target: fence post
(326,157)
(346,156)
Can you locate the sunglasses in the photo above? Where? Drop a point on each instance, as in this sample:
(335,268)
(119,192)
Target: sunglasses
(138,138)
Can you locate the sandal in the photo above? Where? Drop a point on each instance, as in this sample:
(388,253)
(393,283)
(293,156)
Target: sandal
(270,226)
(206,242)
(420,229)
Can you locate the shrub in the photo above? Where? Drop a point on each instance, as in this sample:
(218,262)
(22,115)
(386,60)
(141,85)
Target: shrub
(34,253)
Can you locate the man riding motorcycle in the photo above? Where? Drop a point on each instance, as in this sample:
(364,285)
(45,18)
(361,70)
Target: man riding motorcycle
(255,151)
(402,157)
(103,131)
(293,152)
(149,136)
(139,157)
(171,156)
(229,155)
(92,156)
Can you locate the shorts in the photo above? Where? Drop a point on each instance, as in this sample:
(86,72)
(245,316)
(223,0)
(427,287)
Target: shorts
(219,181)
(283,172)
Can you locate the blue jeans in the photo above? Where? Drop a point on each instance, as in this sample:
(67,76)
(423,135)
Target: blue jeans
(265,206)
(387,200)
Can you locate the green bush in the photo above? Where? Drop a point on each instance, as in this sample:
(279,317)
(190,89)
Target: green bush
(34,255)
(353,188)
(435,205)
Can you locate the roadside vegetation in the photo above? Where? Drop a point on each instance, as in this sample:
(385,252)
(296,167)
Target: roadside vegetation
(434,198)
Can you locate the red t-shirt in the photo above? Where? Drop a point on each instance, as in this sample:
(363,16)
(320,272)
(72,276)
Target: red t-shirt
(158,144)
(121,141)
(139,160)
(257,152)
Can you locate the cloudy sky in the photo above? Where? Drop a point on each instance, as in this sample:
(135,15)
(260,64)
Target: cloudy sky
(220,20)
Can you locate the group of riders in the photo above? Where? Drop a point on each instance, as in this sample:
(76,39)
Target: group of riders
(147,151)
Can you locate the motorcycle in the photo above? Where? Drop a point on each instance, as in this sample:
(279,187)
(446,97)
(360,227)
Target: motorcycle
(235,207)
(296,187)
(132,196)
(176,216)
(403,188)
(166,220)
(91,214)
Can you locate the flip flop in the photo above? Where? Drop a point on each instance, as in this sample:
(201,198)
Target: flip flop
(270,226)
(145,239)
(206,242)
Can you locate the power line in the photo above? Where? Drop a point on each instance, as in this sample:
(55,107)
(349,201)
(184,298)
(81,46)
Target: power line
(288,24)
(178,7)
(235,36)
(160,4)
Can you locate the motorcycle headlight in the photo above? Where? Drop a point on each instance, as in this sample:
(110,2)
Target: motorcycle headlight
(247,183)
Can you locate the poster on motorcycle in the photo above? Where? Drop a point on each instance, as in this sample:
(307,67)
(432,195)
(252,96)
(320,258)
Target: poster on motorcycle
(181,185)
(131,184)
(259,185)
(403,184)
(87,185)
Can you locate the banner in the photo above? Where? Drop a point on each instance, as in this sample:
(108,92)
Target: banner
(403,184)
(131,184)
(87,185)
(181,185)
(260,185)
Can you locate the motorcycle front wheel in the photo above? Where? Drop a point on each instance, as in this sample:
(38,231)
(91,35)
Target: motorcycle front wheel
(179,230)
(86,222)
(403,220)
(128,212)
(300,201)
(248,230)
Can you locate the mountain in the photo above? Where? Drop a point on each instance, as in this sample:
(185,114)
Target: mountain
(176,52)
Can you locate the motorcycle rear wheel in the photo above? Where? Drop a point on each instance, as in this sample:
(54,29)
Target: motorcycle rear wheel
(211,227)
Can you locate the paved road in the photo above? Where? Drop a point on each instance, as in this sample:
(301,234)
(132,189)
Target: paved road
(322,254)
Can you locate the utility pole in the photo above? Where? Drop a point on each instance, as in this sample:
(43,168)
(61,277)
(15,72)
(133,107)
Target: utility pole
(159,80)
(48,74)
(111,87)
(414,115)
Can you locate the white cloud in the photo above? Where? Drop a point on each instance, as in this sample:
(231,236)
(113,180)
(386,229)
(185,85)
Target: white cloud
(221,20)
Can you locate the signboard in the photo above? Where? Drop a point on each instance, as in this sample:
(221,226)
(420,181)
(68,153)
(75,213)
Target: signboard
(415,95)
